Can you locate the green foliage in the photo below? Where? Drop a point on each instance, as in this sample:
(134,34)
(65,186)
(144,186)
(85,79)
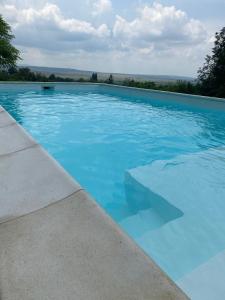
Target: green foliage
(25,74)
(140,84)
(110,80)
(81,79)
(180,86)
(8,53)
(94,77)
(212,75)
(52,77)
(177,87)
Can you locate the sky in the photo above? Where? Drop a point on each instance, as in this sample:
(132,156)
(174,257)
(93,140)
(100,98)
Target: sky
(167,37)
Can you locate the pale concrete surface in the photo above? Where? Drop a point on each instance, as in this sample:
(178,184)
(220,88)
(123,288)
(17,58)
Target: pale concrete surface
(6,119)
(29,181)
(23,187)
(14,138)
(56,243)
(71,250)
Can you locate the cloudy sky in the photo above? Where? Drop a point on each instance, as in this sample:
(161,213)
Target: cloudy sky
(130,36)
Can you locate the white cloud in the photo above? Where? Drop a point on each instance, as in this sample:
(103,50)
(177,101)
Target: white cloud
(159,27)
(160,39)
(48,28)
(100,7)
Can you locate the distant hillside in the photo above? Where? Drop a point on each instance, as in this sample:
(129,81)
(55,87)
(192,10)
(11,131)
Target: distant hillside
(77,74)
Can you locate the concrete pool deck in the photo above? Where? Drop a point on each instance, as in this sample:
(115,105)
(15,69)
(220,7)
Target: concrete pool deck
(56,242)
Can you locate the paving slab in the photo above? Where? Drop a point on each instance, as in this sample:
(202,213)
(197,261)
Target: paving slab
(72,250)
(30,180)
(6,119)
(15,139)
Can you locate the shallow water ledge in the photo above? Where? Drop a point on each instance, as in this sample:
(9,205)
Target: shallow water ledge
(56,242)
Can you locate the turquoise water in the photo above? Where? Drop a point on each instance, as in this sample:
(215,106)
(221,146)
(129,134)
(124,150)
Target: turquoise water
(99,134)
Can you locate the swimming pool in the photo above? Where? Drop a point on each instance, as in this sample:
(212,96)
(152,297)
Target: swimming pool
(154,161)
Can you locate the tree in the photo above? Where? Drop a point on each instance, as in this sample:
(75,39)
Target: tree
(212,75)
(8,53)
(52,77)
(94,77)
(110,79)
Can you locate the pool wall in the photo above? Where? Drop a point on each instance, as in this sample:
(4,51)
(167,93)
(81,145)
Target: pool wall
(164,96)
(56,242)
(142,94)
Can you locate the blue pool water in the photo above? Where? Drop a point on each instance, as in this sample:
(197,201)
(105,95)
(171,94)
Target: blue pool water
(107,140)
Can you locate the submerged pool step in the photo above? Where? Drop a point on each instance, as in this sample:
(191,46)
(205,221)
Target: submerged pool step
(193,184)
(182,245)
(141,222)
(207,281)
(140,199)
